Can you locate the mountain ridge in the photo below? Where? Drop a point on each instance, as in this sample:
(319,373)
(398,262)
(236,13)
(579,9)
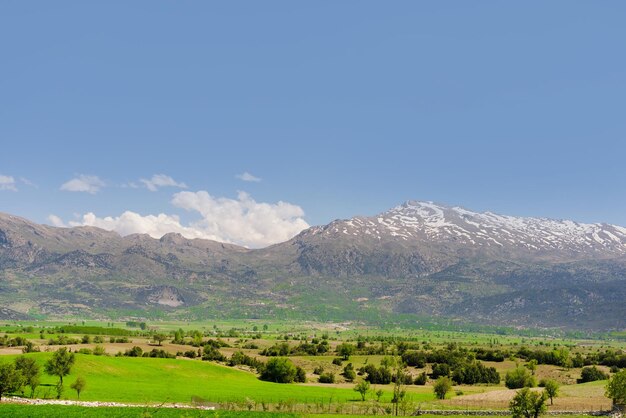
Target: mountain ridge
(418,258)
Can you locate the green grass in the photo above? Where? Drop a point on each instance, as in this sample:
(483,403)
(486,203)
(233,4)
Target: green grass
(64,411)
(145,380)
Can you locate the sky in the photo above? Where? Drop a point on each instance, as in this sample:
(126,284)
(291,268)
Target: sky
(248,121)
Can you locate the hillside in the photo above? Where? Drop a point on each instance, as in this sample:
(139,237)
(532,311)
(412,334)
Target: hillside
(419,258)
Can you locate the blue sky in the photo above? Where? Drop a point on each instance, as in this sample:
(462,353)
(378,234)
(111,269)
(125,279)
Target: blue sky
(341,108)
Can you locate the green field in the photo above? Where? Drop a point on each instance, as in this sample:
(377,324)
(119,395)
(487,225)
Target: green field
(149,380)
(58,411)
(64,411)
(154,381)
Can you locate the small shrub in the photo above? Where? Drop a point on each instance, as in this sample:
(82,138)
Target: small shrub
(327,378)
(591,374)
(99,350)
(421,379)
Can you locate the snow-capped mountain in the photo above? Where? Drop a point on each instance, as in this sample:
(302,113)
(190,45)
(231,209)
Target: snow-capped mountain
(419,258)
(438,224)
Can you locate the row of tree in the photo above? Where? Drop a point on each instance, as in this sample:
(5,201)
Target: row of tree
(25,371)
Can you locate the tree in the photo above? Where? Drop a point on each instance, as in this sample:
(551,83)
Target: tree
(519,378)
(552,390)
(528,404)
(362,387)
(379,394)
(398,387)
(532,366)
(345,350)
(11,380)
(616,388)
(159,338)
(178,337)
(60,365)
(78,385)
(279,370)
(31,372)
(439,370)
(442,387)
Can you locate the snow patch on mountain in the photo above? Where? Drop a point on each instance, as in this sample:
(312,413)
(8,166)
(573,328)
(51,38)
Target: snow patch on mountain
(416,220)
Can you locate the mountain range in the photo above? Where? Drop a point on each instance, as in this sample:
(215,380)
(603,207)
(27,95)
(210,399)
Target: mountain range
(419,259)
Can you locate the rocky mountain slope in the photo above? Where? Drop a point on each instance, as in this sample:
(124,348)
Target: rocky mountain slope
(419,258)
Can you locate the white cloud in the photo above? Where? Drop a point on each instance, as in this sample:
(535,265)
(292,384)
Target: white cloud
(161,180)
(248,177)
(83,183)
(56,221)
(7,183)
(241,221)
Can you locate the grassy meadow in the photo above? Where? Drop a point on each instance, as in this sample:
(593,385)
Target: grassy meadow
(153,381)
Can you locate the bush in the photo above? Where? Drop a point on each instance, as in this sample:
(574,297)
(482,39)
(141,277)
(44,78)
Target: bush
(405,378)
(440,370)
(421,379)
(210,353)
(276,350)
(134,352)
(300,375)
(190,354)
(240,357)
(99,350)
(11,379)
(377,375)
(591,374)
(251,346)
(414,359)
(158,353)
(348,372)
(475,372)
(337,361)
(519,378)
(327,378)
(279,370)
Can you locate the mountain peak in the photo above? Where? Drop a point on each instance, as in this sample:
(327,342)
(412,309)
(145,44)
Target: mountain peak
(430,223)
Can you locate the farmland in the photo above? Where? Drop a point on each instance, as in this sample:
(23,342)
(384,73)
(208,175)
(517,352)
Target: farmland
(185,378)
